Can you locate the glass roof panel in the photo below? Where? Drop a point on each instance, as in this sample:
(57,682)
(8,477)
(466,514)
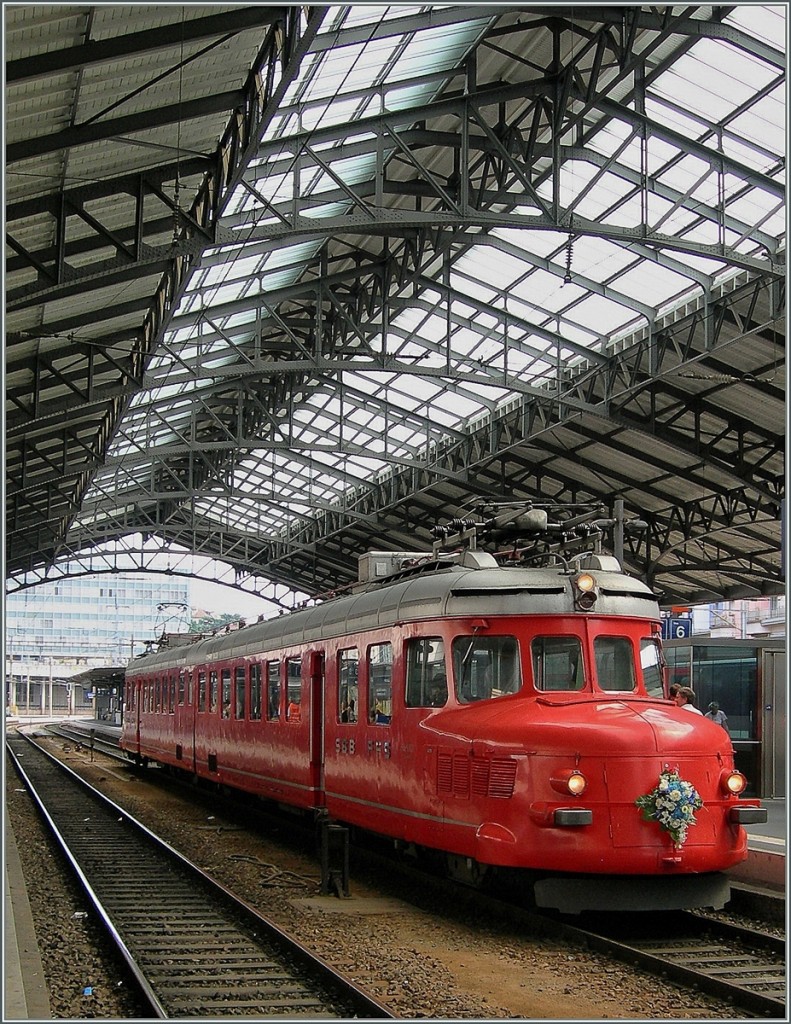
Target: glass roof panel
(766,22)
(513,271)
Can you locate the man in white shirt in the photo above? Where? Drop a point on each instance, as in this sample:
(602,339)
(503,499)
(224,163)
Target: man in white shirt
(685,698)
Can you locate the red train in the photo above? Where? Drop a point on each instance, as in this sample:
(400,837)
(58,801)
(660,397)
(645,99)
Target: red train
(505,714)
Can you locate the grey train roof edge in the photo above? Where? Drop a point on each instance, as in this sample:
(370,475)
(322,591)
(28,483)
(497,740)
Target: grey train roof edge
(454,591)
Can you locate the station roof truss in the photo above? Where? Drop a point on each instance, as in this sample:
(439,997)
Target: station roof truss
(288,284)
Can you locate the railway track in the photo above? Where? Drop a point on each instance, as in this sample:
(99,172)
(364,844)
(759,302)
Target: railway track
(82,737)
(741,965)
(195,950)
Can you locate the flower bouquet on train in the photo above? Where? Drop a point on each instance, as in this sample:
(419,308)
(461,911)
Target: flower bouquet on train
(672,804)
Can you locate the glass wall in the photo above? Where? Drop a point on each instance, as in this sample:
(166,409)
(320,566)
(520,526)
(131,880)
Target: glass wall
(730,674)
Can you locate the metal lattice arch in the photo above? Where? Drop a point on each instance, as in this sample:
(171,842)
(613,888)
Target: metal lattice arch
(287,284)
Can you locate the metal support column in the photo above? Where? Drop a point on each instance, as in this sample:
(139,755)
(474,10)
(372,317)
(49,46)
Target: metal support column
(334,845)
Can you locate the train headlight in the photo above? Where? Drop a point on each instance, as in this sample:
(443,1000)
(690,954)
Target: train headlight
(733,783)
(585,594)
(572,781)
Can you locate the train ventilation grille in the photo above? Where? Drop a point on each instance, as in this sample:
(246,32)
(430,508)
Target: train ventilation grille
(458,775)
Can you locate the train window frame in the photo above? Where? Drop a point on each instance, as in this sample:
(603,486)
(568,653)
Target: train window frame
(625,644)
(158,694)
(293,689)
(426,684)
(648,645)
(256,677)
(273,707)
(225,692)
(181,687)
(240,709)
(202,691)
(379,674)
(486,667)
(348,688)
(213,691)
(539,667)
(172,695)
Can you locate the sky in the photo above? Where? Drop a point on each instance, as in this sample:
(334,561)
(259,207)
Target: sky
(220,599)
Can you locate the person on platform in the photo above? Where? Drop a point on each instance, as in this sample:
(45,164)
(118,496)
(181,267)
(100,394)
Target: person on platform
(685,698)
(715,715)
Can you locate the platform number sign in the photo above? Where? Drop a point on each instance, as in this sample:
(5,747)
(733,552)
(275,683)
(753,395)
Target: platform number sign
(676,629)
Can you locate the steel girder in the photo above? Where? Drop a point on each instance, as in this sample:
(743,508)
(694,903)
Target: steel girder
(526,437)
(118,378)
(321,325)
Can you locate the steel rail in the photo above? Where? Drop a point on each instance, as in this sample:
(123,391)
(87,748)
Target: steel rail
(195,949)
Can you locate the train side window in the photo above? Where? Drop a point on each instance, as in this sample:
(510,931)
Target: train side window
(181,687)
(255,692)
(348,696)
(614,663)
(172,695)
(426,679)
(158,692)
(485,667)
(213,687)
(226,693)
(190,694)
(557,663)
(272,690)
(652,663)
(380,683)
(294,682)
(239,687)
(202,690)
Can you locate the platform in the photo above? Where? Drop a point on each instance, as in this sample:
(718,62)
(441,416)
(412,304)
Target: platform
(25,994)
(766,844)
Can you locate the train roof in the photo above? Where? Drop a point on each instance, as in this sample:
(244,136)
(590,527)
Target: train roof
(475,585)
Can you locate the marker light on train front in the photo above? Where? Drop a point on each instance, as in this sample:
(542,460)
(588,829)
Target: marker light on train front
(733,783)
(585,581)
(586,593)
(572,781)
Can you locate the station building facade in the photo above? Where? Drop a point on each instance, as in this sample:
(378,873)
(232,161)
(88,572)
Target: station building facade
(56,631)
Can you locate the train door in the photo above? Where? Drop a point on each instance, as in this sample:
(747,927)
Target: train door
(186,736)
(134,701)
(317,730)
(138,699)
(773,717)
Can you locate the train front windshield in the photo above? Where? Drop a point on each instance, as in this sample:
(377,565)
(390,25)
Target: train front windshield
(489,666)
(559,665)
(485,667)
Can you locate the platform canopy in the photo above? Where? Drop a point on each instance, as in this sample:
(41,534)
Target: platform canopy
(288,284)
